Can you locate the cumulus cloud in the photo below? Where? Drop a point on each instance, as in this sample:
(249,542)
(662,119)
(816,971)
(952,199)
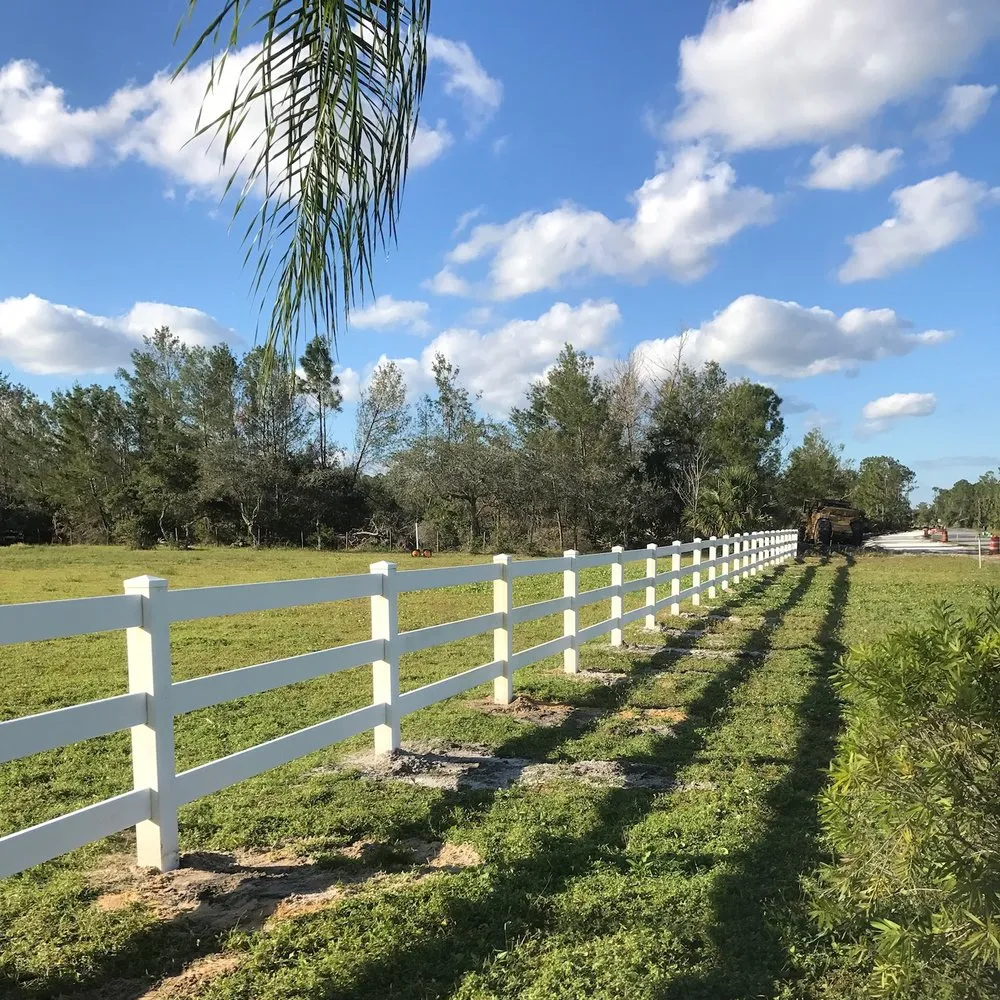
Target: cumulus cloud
(502,363)
(929,216)
(852,168)
(466,219)
(466,79)
(447,282)
(774,72)
(386,313)
(682,214)
(882,413)
(154,122)
(773,338)
(429,143)
(963,106)
(46,338)
(350,384)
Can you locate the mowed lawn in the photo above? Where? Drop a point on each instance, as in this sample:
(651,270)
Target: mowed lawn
(567,889)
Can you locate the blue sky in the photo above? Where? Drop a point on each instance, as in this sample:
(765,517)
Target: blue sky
(809,188)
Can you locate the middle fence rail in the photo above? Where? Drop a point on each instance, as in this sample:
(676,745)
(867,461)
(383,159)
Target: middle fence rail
(148,608)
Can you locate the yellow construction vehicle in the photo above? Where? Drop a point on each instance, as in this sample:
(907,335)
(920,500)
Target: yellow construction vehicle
(828,522)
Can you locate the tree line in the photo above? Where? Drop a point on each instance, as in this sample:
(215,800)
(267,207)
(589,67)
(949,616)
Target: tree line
(195,445)
(964,505)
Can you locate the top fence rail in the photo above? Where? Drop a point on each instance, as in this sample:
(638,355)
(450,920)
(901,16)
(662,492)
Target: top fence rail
(148,608)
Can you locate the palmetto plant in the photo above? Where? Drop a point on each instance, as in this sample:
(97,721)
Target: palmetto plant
(314,136)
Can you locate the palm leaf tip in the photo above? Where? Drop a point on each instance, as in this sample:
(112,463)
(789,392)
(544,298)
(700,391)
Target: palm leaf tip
(314,123)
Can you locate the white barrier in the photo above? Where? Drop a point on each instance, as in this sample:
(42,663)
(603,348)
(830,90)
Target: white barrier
(147,609)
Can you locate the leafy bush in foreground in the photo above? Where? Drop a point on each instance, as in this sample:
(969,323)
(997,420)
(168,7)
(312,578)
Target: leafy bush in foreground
(913,810)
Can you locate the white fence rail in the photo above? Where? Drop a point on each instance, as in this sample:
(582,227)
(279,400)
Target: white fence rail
(147,609)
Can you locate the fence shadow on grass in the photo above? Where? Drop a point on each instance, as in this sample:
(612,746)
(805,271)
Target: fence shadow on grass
(482,922)
(756,904)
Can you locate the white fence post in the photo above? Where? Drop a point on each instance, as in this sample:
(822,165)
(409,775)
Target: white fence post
(385,672)
(696,562)
(713,554)
(618,598)
(651,586)
(503,637)
(747,544)
(675,568)
(153,764)
(725,564)
(571,616)
(754,554)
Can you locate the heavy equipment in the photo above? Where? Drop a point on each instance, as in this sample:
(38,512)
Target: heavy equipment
(827,522)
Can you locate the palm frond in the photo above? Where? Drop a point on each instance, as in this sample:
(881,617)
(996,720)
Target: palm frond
(314,128)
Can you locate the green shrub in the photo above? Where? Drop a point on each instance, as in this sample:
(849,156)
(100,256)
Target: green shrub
(912,813)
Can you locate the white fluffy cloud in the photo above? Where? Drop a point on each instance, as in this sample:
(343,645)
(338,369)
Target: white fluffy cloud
(154,122)
(929,216)
(467,80)
(880,414)
(386,313)
(36,126)
(963,106)
(852,168)
(350,384)
(49,339)
(774,72)
(429,143)
(682,214)
(783,339)
(502,364)
(447,282)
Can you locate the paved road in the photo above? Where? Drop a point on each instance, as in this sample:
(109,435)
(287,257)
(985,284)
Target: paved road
(960,540)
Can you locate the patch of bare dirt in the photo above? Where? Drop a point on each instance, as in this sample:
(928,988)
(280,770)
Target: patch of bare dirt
(717,616)
(455,767)
(194,978)
(684,633)
(537,713)
(609,678)
(713,653)
(660,721)
(247,889)
(600,774)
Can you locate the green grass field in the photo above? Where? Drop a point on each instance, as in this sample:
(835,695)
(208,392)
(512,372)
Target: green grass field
(578,891)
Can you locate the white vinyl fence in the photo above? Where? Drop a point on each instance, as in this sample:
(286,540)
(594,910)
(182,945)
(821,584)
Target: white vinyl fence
(147,609)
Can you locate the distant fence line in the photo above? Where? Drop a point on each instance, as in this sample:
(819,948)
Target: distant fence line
(148,608)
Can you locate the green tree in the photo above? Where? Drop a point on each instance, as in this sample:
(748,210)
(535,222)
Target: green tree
(25,457)
(444,472)
(815,469)
(322,386)
(882,491)
(678,459)
(163,437)
(381,419)
(572,445)
(91,461)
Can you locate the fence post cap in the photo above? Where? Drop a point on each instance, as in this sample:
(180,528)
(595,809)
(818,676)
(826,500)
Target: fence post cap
(383,567)
(652,545)
(617,548)
(146,583)
(570,553)
(503,559)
